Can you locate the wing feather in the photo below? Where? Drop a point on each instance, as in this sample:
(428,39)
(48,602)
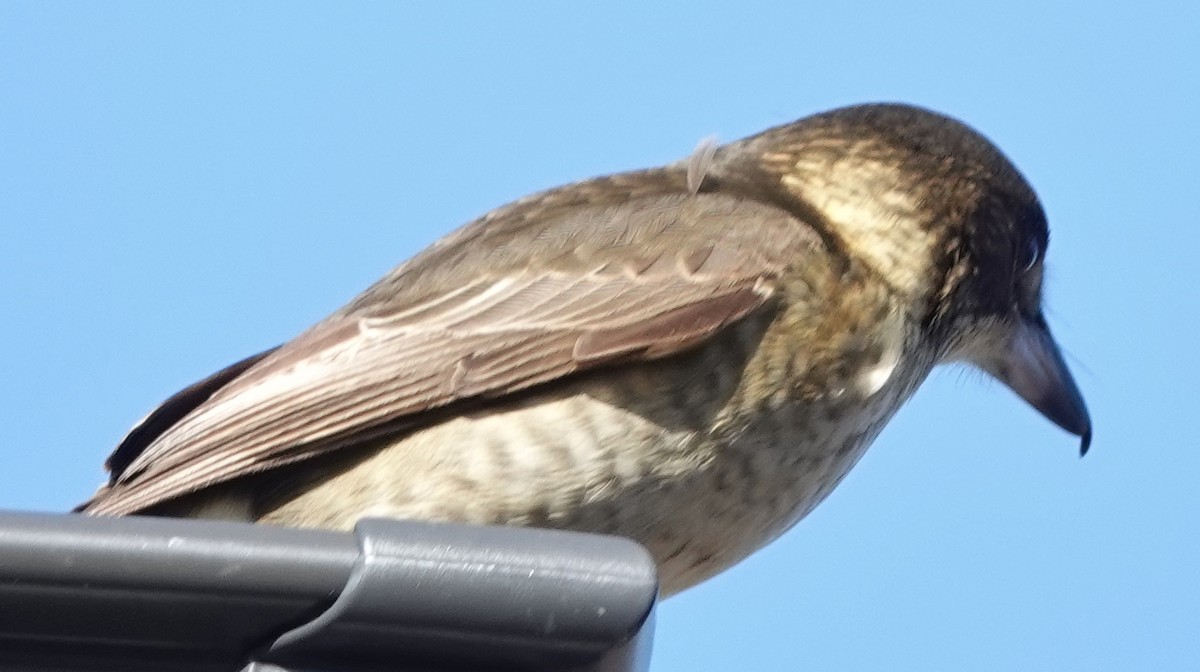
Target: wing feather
(503,328)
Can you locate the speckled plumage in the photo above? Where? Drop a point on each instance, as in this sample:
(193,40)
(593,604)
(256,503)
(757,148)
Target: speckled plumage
(691,356)
(703,458)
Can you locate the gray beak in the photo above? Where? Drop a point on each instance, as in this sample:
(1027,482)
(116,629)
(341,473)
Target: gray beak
(1033,367)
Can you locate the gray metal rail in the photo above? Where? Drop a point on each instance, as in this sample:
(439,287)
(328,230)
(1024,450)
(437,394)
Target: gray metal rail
(100,594)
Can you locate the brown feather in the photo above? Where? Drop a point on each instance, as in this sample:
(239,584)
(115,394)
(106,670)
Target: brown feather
(514,300)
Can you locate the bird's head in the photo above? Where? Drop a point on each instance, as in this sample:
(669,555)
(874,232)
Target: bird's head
(939,213)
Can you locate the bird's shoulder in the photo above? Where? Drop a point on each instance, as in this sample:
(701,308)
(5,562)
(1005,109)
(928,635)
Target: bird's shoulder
(647,222)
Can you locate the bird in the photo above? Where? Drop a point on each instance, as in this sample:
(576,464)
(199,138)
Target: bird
(691,356)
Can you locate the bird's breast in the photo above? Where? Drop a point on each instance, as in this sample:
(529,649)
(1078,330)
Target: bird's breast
(702,459)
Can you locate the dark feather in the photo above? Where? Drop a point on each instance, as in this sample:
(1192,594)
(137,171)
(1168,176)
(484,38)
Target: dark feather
(172,411)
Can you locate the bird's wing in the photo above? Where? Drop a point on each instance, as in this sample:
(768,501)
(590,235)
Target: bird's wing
(664,274)
(174,409)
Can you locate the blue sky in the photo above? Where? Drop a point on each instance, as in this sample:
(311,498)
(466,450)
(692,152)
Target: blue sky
(182,185)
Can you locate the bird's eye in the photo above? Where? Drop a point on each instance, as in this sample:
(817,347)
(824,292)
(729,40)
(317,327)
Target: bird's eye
(1029,256)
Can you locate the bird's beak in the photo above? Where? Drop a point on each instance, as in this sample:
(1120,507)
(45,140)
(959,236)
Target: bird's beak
(1033,367)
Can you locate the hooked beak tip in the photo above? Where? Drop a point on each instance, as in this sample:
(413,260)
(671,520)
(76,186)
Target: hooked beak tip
(1033,367)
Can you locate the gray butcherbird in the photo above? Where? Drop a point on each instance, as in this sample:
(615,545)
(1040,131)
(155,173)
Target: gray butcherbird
(691,356)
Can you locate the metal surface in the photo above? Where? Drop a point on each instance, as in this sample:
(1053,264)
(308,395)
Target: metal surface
(97,594)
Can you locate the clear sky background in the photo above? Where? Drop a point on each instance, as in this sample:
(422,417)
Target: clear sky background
(182,185)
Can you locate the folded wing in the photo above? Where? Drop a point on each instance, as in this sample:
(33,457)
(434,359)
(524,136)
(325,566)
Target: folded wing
(633,281)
